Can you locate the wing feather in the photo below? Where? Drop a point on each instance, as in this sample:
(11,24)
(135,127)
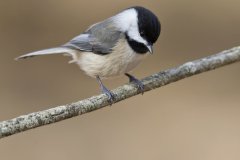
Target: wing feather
(99,38)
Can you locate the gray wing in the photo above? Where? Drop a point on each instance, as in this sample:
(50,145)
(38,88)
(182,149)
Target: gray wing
(99,38)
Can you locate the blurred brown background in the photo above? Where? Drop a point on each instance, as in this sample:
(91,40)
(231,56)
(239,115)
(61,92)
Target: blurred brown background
(194,119)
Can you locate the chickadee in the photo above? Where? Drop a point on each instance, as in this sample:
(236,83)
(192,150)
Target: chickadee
(112,47)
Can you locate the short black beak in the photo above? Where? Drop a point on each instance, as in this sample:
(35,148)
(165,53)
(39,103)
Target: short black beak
(150,48)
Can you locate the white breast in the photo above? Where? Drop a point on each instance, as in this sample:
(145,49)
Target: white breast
(121,61)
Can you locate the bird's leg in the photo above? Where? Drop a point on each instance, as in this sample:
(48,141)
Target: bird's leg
(139,84)
(105,90)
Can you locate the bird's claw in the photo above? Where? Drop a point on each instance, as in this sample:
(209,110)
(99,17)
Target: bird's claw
(139,84)
(105,91)
(109,94)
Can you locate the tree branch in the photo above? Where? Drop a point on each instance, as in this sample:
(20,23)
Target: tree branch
(63,112)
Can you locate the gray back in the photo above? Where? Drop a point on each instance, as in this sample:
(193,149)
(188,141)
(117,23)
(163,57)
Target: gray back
(100,38)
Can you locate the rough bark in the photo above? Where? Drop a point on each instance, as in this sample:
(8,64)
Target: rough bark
(41,118)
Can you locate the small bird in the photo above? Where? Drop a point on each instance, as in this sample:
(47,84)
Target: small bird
(112,47)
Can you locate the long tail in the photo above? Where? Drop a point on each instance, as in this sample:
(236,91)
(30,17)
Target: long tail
(57,50)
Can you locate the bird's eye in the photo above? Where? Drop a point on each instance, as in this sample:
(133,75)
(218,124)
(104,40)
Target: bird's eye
(142,33)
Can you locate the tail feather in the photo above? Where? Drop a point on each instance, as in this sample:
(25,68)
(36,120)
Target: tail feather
(57,50)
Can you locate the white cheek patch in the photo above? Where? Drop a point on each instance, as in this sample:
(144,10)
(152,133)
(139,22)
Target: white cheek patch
(127,22)
(133,34)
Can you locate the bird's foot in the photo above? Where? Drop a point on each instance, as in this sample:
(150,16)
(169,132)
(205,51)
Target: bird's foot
(139,84)
(106,91)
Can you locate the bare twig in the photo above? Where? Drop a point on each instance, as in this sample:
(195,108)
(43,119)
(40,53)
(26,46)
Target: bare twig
(63,112)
